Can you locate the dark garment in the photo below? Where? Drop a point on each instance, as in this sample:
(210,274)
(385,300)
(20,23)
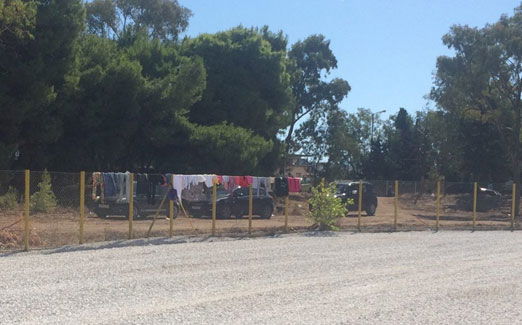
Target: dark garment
(109,185)
(173,194)
(281,186)
(142,184)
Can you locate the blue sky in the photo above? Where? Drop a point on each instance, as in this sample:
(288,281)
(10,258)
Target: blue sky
(386,49)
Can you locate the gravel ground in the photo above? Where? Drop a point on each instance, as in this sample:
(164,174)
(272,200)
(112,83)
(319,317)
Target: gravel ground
(416,277)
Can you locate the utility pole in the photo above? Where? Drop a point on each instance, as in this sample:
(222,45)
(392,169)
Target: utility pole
(371,135)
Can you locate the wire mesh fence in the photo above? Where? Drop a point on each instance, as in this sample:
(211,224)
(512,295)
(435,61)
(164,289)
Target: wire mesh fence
(55,209)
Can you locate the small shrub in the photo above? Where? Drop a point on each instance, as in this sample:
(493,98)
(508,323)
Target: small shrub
(9,201)
(326,209)
(44,199)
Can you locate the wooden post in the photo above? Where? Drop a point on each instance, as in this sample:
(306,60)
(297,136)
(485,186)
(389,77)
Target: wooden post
(171,218)
(131,204)
(359,211)
(438,205)
(214,207)
(395,205)
(26,209)
(286,213)
(513,205)
(250,208)
(82,204)
(475,190)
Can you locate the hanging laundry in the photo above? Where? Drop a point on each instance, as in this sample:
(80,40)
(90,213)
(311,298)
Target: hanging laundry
(259,183)
(142,184)
(244,181)
(109,185)
(177,184)
(209,180)
(281,186)
(294,184)
(97,186)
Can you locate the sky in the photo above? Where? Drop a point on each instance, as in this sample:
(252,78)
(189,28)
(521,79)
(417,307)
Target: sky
(386,50)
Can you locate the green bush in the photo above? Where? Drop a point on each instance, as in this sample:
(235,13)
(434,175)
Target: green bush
(44,199)
(9,201)
(326,209)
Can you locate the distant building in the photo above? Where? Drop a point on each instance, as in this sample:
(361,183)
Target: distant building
(297,166)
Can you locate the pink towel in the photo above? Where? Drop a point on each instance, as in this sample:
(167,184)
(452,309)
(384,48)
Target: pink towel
(294,185)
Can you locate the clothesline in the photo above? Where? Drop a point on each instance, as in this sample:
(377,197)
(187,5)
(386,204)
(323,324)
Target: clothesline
(117,184)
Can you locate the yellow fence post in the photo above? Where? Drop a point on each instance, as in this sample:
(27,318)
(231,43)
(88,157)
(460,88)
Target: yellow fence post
(214,207)
(513,205)
(395,205)
(131,204)
(250,208)
(475,186)
(286,213)
(171,218)
(82,204)
(26,209)
(359,210)
(438,206)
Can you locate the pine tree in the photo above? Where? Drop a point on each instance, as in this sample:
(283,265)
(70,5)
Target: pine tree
(44,199)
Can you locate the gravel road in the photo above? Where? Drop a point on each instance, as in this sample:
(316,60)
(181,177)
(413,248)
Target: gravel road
(416,277)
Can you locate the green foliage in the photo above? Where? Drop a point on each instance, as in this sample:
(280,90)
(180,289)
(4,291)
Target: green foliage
(326,209)
(17,19)
(159,19)
(228,149)
(44,199)
(311,60)
(9,201)
(33,72)
(247,81)
(480,88)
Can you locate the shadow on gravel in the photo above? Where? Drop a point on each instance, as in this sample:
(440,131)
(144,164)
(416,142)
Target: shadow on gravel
(321,234)
(130,243)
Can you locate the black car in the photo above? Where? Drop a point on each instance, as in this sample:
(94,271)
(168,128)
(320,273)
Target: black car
(350,190)
(235,203)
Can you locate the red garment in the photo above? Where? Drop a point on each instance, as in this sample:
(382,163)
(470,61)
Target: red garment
(294,185)
(244,181)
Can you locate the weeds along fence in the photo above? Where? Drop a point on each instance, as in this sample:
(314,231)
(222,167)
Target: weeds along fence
(47,210)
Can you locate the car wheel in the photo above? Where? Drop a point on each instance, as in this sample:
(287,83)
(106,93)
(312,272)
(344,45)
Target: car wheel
(102,215)
(175,211)
(267,212)
(370,209)
(225,212)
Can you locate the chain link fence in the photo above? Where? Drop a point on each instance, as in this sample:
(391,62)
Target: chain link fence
(55,215)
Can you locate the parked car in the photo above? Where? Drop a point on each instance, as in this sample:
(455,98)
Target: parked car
(145,204)
(233,204)
(347,190)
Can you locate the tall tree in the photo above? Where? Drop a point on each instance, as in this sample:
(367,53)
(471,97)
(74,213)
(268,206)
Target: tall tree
(35,69)
(311,61)
(160,19)
(247,81)
(483,80)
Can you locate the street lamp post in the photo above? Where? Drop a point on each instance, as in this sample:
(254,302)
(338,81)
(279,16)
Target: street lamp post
(371,136)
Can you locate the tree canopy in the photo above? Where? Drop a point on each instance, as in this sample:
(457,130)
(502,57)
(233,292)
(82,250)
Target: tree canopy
(115,85)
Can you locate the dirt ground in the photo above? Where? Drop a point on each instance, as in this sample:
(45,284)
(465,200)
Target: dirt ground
(62,227)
